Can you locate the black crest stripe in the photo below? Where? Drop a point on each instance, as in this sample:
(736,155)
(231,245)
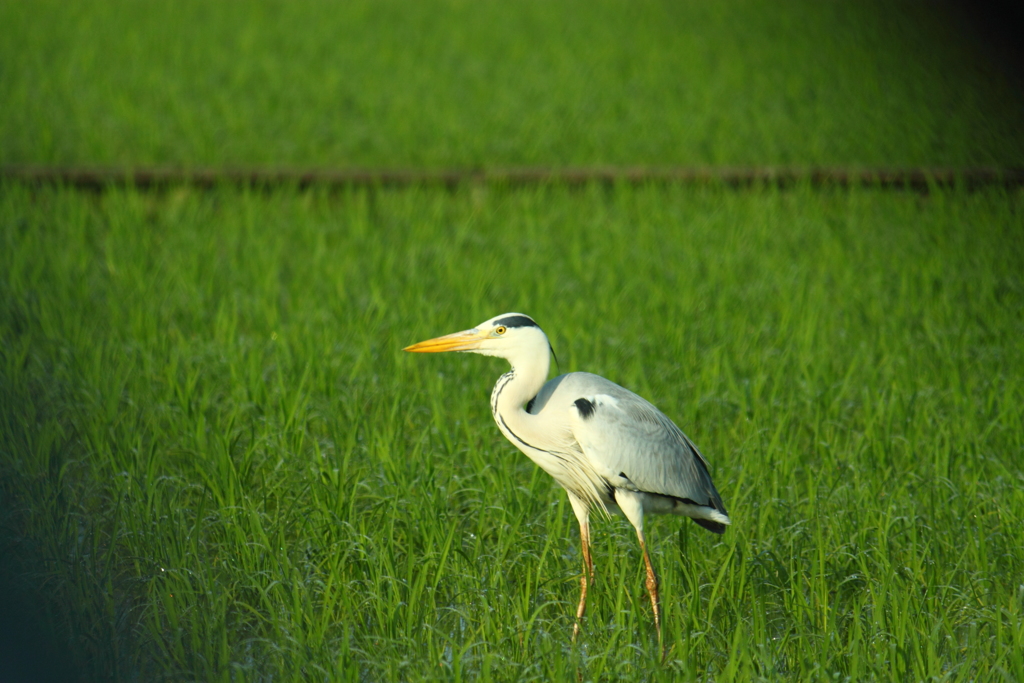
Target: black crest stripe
(516,321)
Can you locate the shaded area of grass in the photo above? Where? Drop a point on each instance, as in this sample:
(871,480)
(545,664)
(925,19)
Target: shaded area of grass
(441,84)
(218,465)
(31,649)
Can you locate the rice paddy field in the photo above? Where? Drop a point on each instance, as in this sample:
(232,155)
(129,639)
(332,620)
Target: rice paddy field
(481,84)
(216,463)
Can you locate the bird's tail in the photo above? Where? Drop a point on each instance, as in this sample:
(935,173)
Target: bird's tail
(716,527)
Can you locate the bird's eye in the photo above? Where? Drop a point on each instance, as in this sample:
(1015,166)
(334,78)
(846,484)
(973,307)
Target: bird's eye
(500,329)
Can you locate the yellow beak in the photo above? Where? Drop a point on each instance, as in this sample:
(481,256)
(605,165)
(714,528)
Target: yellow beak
(460,341)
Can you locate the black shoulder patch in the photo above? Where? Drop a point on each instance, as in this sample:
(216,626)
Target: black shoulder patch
(585,407)
(529,404)
(516,321)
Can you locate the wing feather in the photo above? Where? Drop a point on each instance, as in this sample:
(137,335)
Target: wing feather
(634,445)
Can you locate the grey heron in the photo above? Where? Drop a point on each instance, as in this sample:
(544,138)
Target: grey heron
(609,449)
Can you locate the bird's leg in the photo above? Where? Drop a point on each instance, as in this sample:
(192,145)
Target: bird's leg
(588,571)
(652,585)
(582,511)
(587,562)
(632,506)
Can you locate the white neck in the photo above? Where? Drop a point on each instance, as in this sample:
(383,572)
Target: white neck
(515,388)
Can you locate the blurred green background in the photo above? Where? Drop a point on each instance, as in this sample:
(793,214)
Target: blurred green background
(216,464)
(466,84)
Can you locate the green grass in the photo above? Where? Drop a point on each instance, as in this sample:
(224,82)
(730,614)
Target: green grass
(217,464)
(438,84)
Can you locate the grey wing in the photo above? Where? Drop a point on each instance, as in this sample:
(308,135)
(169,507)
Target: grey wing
(637,447)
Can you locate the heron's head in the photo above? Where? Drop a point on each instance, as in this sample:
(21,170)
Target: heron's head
(509,335)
